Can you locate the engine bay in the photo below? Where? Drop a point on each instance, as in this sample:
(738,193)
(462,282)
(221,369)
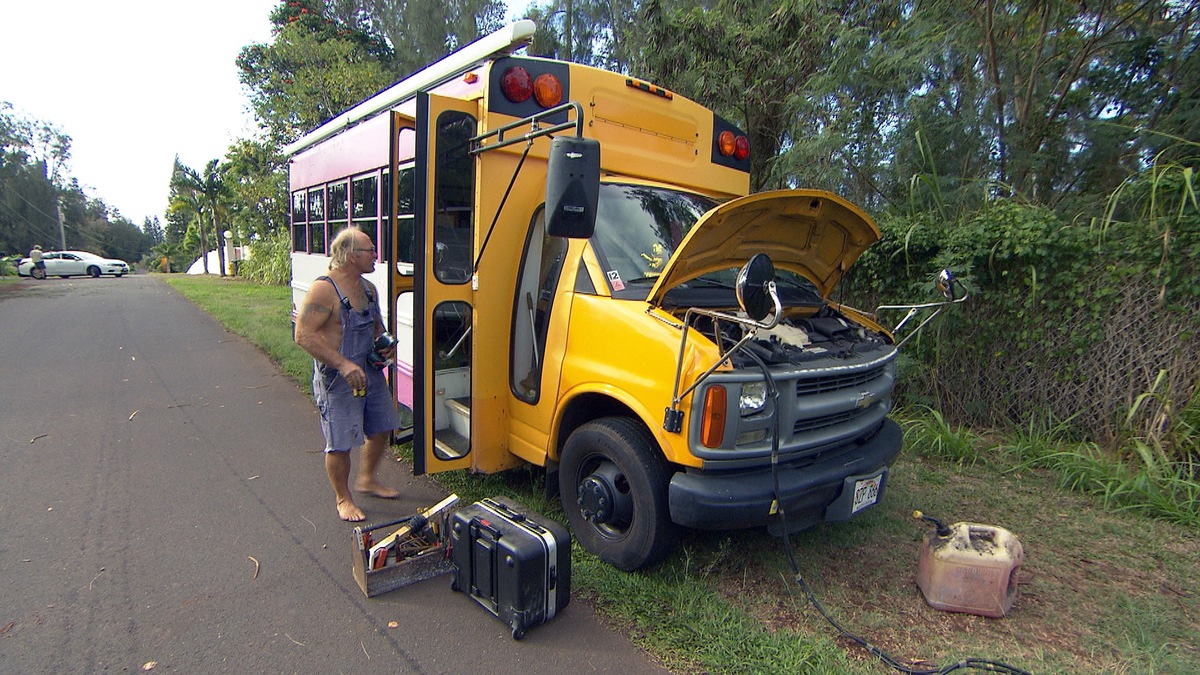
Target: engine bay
(796,340)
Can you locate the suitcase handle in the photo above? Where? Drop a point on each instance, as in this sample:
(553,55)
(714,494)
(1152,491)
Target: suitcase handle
(481,524)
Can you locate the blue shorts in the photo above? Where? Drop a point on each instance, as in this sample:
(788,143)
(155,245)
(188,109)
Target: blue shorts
(346,419)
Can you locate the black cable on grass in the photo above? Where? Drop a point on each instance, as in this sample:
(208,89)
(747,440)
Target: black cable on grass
(980,664)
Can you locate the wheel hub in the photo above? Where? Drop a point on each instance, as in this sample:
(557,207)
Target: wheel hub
(601,497)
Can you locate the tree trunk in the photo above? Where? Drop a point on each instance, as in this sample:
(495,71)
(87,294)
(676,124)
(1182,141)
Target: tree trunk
(220,242)
(203,243)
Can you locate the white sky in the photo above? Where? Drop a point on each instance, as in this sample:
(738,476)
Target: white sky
(133,83)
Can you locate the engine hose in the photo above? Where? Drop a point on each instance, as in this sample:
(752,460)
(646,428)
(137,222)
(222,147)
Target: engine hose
(980,664)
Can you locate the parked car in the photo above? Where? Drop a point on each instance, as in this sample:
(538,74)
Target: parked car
(74,263)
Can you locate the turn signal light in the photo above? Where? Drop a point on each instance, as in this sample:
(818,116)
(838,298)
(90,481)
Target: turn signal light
(727,143)
(547,90)
(730,145)
(516,84)
(712,428)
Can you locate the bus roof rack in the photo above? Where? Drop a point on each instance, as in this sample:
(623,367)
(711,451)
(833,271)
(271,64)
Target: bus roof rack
(504,41)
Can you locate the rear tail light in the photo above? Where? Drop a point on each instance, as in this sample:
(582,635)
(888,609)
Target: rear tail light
(731,145)
(741,148)
(516,84)
(519,86)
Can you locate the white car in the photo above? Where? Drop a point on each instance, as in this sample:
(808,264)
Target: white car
(73,263)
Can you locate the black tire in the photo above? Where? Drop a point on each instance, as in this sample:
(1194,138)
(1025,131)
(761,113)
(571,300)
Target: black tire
(94,271)
(613,484)
(37,273)
(118,275)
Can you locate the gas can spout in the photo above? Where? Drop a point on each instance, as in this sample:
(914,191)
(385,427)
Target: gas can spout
(942,530)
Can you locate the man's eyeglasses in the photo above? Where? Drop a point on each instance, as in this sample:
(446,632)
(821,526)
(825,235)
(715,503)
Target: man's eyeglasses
(371,250)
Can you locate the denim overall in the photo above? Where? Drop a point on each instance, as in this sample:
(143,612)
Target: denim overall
(346,419)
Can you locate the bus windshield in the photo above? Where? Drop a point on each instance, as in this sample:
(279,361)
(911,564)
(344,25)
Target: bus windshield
(638,228)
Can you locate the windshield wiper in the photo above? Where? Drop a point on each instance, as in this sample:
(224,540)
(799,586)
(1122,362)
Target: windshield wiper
(712,282)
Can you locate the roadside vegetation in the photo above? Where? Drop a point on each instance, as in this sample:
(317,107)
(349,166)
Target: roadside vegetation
(1044,152)
(1112,545)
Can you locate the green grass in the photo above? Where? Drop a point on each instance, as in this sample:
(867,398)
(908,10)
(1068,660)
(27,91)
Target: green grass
(1109,590)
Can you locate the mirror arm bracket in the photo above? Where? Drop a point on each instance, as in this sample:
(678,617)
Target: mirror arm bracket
(478,143)
(673,418)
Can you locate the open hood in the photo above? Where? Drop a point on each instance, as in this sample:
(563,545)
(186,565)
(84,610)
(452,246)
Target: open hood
(813,233)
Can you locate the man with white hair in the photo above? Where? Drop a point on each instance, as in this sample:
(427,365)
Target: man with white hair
(337,324)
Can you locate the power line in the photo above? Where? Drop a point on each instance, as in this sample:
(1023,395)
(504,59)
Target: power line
(33,206)
(29,224)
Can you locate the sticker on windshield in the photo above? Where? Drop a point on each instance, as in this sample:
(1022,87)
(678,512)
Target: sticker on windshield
(614,278)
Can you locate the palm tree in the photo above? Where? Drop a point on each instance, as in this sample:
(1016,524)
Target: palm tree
(209,191)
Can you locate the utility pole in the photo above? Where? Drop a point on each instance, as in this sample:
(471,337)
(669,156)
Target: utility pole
(62,233)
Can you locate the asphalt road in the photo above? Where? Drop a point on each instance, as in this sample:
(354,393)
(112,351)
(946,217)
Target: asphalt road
(150,458)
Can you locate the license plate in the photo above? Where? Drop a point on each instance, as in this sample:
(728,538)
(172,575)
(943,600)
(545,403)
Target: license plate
(866,491)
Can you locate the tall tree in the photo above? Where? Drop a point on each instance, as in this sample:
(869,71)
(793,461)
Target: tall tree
(743,58)
(421,31)
(256,177)
(601,33)
(316,67)
(206,191)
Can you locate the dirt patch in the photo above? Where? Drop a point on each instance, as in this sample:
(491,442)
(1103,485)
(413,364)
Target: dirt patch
(1098,591)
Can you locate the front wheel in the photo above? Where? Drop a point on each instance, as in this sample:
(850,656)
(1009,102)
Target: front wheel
(94,271)
(613,484)
(37,273)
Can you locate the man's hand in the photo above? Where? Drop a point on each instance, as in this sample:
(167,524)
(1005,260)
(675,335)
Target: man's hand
(355,377)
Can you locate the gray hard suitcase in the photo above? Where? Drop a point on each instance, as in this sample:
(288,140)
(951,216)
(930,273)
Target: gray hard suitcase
(515,564)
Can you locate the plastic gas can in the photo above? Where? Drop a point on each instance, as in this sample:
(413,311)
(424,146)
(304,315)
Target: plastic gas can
(971,568)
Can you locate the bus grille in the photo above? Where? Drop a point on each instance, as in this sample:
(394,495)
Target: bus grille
(817,385)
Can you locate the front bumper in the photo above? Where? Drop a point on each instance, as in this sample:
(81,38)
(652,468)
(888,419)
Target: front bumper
(809,493)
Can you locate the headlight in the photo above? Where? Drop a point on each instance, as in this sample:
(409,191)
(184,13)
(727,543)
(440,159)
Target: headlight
(753,398)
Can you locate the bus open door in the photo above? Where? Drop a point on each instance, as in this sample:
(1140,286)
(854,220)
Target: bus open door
(443,350)
(452,386)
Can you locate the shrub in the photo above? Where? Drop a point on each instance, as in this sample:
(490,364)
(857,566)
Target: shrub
(270,259)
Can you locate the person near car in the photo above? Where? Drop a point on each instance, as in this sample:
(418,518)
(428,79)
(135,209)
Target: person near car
(36,257)
(337,324)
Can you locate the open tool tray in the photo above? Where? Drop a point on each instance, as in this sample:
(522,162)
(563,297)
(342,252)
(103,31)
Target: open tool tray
(424,555)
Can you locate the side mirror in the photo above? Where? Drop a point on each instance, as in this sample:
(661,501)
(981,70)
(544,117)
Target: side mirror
(755,287)
(572,187)
(945,283)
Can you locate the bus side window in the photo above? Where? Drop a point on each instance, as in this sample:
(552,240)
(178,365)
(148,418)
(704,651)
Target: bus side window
(453,214)
(299,221)
(541,268)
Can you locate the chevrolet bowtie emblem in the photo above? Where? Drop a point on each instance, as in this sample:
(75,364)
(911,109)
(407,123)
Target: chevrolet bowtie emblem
(864,399)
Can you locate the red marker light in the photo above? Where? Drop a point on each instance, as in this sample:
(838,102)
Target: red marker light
(742,149)
(516,84)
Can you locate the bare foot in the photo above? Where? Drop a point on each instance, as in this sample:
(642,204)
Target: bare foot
(377,489)
(348,510)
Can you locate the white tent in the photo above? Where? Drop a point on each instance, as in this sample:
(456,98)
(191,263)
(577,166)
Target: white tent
(232,254)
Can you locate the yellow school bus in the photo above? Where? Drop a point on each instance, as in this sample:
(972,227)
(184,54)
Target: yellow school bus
(579,280)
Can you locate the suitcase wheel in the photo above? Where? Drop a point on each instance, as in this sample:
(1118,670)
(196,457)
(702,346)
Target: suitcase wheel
(518,632)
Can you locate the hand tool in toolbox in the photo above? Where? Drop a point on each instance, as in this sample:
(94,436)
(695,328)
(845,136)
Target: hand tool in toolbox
(415,551)
(378,553)
(515,564)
